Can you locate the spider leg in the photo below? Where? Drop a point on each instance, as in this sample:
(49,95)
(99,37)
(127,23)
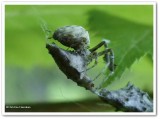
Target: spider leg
(109,59)
(94,54)
(104,42)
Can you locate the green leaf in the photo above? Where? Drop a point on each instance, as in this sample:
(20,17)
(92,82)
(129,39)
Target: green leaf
(129,40)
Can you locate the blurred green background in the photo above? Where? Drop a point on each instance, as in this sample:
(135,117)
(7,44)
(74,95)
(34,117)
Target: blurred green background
(31,75)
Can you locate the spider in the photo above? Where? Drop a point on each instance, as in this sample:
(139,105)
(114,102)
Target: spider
(74,64)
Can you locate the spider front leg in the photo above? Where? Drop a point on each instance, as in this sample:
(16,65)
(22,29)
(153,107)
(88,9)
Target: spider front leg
(108,58)
(94,55)
(108,54)
(104,42)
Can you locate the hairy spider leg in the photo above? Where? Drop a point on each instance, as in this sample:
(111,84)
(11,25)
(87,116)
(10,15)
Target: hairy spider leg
(104,42)
(109,59)
(94,55)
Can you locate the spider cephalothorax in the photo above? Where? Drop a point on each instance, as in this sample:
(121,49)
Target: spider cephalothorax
(74,63)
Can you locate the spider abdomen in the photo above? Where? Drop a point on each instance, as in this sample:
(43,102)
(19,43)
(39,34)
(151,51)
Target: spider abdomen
(72,36)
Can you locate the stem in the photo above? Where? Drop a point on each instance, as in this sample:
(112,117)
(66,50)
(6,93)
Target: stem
(128,99)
